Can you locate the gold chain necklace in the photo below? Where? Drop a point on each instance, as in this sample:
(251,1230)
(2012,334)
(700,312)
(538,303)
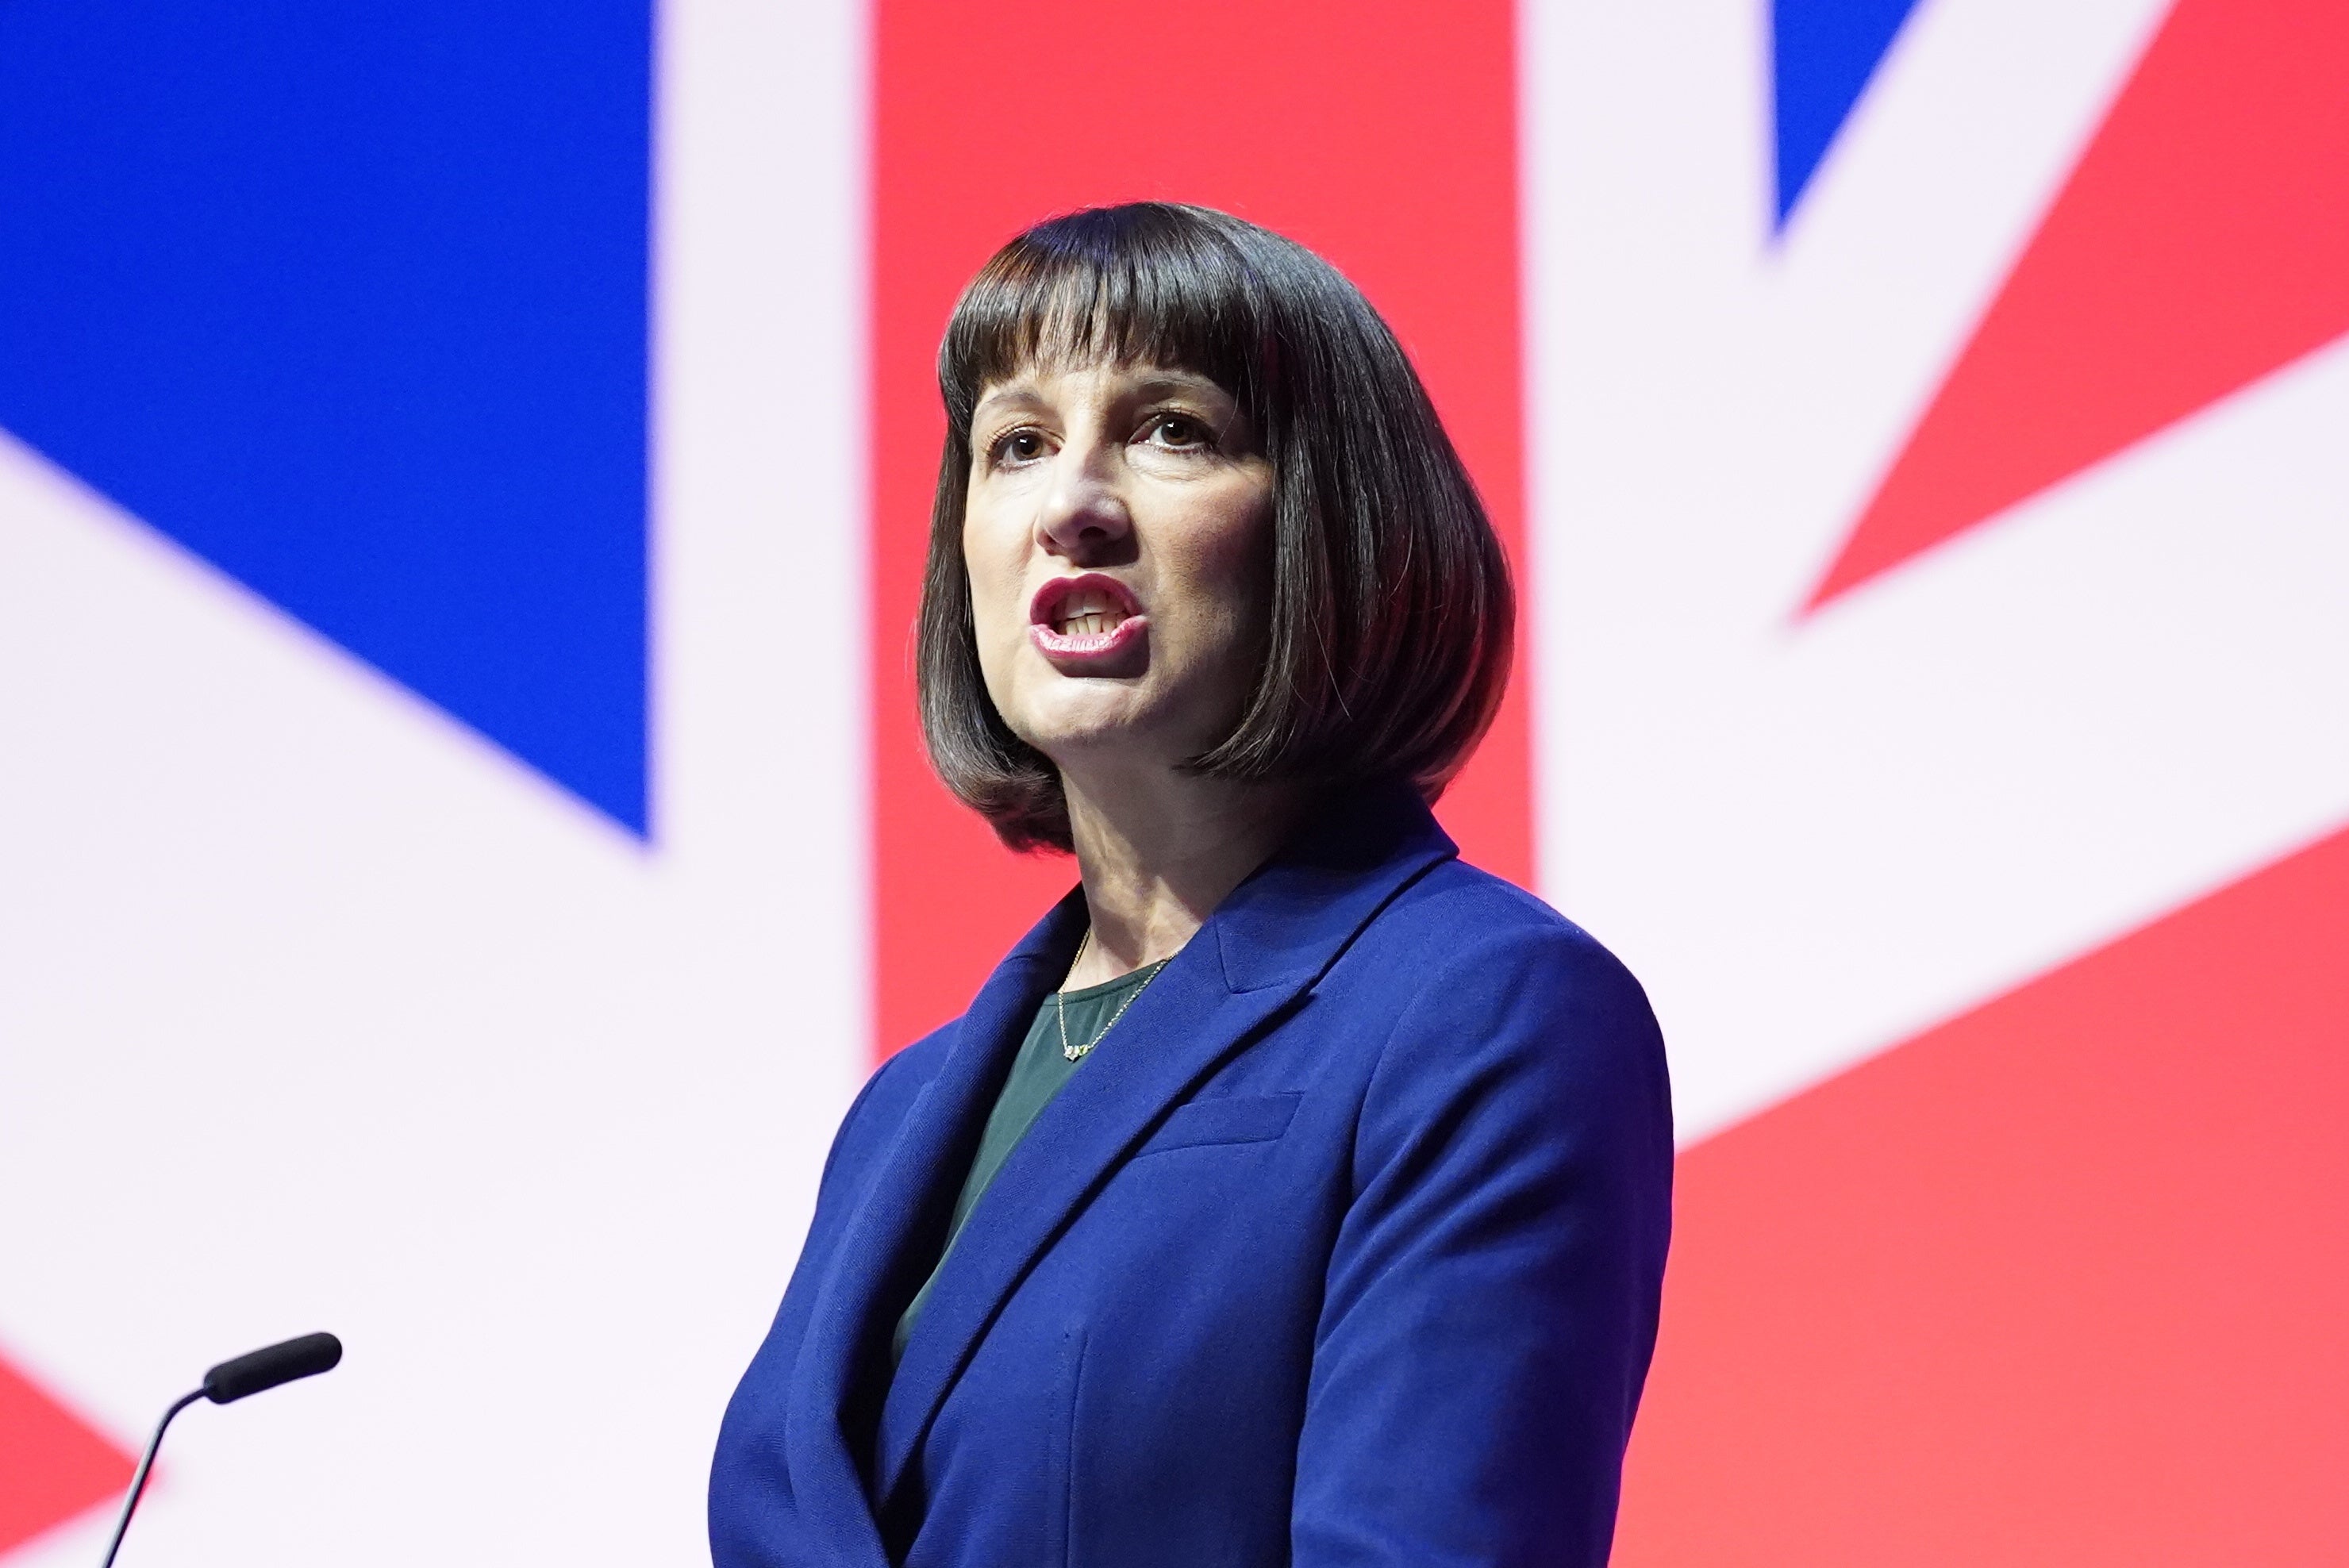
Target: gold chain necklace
(1061,1004)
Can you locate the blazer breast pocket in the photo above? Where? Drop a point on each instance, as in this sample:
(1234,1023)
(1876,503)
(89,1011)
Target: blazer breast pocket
(1237,1119)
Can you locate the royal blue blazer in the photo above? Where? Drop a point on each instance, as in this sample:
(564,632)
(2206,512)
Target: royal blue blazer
(1343,1249)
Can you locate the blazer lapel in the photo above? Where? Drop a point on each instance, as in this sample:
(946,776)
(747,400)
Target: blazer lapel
(872,1253)
(1268,941)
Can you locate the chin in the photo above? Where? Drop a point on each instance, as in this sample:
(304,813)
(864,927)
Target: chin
(1078,726)
(1066,737)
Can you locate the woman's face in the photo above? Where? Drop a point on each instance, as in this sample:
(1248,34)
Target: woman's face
(1119,541)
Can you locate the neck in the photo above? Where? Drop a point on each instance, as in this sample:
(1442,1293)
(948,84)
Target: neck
(1158,851)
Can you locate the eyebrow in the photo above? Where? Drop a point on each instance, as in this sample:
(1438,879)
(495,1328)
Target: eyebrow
(1015,395)
(1179,381)
(1158,384)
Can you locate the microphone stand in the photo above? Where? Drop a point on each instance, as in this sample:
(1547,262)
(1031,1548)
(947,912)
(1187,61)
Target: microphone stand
(232,1381)
(146,1463)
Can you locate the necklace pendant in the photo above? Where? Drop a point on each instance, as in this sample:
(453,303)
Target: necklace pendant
(1077,1053)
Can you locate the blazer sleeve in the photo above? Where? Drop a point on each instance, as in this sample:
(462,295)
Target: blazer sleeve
(1491,1301)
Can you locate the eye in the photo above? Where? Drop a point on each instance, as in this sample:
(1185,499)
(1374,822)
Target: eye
(1013,448)
(1181,432)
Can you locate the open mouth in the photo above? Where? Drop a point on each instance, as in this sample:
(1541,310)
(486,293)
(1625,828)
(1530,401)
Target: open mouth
(1092,613)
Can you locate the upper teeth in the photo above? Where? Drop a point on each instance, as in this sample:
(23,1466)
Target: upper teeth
(1089,611)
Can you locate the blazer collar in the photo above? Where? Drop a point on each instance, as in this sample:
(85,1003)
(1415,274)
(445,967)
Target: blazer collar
(846,1331)
(1268,941)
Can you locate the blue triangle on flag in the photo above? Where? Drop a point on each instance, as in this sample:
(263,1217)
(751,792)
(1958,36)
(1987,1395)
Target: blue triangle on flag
(1823,53)
(351,301)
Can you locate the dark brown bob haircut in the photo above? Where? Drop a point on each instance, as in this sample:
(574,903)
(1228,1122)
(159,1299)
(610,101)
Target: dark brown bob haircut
(1392,616)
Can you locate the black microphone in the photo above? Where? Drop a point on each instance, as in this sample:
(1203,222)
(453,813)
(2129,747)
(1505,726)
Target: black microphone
(231,1380)
(265,1368)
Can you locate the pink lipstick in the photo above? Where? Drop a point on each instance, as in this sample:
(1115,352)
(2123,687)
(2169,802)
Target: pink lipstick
(1087,620)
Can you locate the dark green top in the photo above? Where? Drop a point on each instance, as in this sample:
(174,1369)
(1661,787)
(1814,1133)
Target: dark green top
(1037,1074)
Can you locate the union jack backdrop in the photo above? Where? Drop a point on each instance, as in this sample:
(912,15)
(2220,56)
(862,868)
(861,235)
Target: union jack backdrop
(463,471)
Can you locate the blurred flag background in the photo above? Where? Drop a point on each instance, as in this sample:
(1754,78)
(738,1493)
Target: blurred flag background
(462,475)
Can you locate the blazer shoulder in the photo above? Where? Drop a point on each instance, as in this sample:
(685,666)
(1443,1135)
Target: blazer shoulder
(1477,976)
(887,1096)
(1458,914)
(916,1064)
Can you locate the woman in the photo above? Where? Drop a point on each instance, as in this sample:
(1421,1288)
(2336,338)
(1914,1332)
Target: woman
(1293,1193)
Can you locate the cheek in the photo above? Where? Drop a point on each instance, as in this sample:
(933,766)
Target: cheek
(996,574)
(1239,564)
(1226,575)
(999,616)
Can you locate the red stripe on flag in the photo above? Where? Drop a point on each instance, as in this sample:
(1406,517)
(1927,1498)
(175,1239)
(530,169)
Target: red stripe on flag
(1383,136)
(2200,244)
(2062,1280)
(53,1465)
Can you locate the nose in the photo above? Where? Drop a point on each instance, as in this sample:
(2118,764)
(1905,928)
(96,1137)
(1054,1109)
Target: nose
(1083,516)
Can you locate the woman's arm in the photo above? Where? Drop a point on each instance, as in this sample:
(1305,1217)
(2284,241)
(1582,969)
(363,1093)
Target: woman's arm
(1492,1297)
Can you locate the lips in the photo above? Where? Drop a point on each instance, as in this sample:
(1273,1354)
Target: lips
(1085,619)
